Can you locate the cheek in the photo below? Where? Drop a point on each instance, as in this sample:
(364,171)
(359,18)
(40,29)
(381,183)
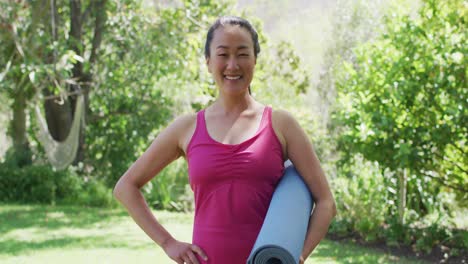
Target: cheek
(215,67)
(251,68)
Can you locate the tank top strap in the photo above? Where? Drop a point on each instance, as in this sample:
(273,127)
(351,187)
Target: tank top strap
(266,118)
(200,133)
(201,125)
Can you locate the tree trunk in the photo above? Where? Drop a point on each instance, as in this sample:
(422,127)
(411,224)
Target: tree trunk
(76,44)
(20,149)
(22,153)
(402,176)
(86,78)
(18,124)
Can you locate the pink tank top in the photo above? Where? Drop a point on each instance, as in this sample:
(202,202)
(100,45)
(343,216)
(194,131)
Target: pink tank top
(233,186)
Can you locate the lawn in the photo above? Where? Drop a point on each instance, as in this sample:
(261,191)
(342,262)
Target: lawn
(70,234)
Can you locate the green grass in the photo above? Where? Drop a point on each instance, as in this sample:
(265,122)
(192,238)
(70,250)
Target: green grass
(70,234)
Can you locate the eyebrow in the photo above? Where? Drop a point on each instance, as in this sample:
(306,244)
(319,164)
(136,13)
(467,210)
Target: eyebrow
(226,47)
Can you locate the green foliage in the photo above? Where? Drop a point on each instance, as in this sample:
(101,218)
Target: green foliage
(362,201)
(96,194)
(170,189)
(18,157)
(403,102)
(401,105)
(41,184)
(28,50)
(33,184)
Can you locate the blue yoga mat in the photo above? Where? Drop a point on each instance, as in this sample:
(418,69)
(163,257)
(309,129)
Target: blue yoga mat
(282,235)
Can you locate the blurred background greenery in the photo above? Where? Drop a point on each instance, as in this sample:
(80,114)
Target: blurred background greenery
(379,86)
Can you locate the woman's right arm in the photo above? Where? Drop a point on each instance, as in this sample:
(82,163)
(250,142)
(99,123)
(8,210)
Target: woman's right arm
(167,147)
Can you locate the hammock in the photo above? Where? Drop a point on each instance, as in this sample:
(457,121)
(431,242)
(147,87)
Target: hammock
(61,154)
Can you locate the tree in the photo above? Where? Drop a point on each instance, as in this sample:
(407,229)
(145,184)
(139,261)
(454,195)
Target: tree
(404,100)
(38,60)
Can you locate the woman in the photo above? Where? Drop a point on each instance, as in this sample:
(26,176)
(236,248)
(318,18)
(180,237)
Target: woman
(235,149)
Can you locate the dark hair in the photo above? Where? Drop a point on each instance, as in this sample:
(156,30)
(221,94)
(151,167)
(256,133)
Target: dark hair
(231,20)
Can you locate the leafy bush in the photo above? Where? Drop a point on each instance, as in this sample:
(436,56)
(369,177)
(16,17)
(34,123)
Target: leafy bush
(366,210)
(95,193)
(361,201)
(43,185)
(170,189)
(31,184)
(400,102)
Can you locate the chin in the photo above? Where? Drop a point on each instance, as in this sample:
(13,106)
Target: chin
(235,90)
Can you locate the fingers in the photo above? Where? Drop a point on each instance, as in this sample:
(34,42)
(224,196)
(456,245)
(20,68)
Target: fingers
(184,253)
(192,259)
(199,251)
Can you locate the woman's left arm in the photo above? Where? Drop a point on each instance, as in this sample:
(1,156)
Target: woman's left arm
(301,153)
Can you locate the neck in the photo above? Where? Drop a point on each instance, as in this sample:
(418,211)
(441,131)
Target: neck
(233,104)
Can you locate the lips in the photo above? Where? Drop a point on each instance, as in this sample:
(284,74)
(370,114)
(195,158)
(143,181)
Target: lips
(232,77)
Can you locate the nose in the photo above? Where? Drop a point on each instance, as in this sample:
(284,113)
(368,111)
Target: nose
(232,64)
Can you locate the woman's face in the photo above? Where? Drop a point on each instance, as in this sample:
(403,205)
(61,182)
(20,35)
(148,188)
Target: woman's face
(232,59)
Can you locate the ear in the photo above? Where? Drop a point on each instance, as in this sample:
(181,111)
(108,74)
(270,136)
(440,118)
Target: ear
(207,60)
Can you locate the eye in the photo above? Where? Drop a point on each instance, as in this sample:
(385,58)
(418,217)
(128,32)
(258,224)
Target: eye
(243,55)
(222,55)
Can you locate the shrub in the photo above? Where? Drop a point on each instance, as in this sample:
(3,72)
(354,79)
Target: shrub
(30,184)
(170,189)
(361,201)
(95,193)
(365,200)
(41,184)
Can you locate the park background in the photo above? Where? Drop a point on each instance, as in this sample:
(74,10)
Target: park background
(379,86)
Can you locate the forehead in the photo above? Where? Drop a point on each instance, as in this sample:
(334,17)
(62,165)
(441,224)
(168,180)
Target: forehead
(231,36)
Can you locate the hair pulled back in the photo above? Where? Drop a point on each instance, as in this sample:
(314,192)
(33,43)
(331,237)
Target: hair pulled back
(231,21)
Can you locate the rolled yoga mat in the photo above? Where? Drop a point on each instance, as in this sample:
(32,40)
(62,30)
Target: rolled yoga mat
(283,232)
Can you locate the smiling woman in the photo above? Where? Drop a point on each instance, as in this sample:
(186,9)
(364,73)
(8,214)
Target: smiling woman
(237,47)
(235,149)
(233,62)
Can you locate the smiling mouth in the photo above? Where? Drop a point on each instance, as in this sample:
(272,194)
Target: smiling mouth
(232,77)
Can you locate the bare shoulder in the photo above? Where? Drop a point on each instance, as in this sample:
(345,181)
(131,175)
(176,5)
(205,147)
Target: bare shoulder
(282,121)
(183,128)
(282,116)
(183,122)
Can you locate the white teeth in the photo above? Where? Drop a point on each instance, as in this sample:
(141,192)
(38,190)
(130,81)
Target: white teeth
(232,77)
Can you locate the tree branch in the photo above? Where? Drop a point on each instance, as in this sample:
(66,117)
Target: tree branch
(451,162)
(446,184)
(98,29)
(194,21)
(85,14)
(53,22)
(458,148)
(76,35)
